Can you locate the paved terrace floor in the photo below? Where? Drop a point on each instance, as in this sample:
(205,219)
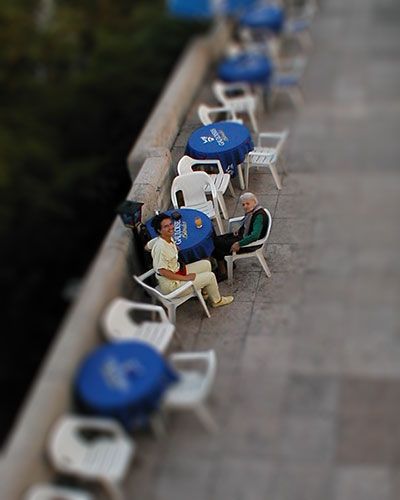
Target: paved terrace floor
(308,389)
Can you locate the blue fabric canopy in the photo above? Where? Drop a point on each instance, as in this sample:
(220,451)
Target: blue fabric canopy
(246,67)
(225,141)
(125,380)
(270,17)
(194,243)
(207,8)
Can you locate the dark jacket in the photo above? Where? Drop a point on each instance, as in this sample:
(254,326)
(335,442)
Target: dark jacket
(265,224)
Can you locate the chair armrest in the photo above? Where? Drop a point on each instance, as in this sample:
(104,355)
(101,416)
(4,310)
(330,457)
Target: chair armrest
(287,78)
(244,87)
(208,357)
(291,64)
(293,25)
(233,221)
(251,100)
(279,136)
(209,162)
(253,244)
(141,306)
(249,245)
(102,424)
(145,275)
(223,109)
(188,356)
(179,290)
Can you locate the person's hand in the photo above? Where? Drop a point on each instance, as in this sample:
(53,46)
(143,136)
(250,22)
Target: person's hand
(191,276)
(235,247)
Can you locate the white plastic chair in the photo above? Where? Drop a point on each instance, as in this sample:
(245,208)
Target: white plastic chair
(222,180)
(288,82)
(205,112)
(306,11)
(298,29)
(263,156)
(260,41)
(53,492)
(91,448)
(119,325)
(194,385)
(270,45)
(259,252)
(194,188)
(246,102)
(173,299)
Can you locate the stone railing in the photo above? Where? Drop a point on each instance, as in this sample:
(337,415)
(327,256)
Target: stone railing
(23,460)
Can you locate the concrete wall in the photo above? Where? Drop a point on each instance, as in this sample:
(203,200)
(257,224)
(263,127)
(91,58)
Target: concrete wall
(23,461)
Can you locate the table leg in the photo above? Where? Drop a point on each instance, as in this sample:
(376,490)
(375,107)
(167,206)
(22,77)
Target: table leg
(241,179)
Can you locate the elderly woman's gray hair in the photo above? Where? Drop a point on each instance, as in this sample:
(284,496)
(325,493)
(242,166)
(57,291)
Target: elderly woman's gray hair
(248,196)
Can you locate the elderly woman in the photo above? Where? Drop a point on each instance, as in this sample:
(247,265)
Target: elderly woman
(253,227)
(171,274)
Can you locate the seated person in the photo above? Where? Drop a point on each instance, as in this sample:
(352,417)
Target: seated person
(253,227)
(170,274)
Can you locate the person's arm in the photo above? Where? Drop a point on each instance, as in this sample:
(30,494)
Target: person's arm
(150,244)
(253,236)
(175,276)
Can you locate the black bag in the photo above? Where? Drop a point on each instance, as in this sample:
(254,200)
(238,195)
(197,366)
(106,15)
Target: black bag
(130,213)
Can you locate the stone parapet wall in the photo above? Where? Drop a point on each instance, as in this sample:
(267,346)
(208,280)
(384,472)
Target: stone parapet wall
(23,461)
(165,121)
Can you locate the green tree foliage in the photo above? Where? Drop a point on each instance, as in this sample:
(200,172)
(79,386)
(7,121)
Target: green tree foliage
(75,91)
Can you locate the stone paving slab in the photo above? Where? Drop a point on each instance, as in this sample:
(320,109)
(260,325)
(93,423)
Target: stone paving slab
(307,391)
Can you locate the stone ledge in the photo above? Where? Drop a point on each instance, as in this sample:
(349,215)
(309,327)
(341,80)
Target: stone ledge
(23,461)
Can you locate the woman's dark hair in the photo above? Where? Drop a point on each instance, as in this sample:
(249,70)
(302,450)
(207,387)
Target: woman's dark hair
(157,220)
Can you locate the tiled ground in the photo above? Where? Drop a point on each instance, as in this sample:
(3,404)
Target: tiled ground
(308,390)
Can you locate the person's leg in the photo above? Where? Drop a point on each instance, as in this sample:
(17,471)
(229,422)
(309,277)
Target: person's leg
(205,278)
(200,266)
(222,245)
(168,286)
(208,281)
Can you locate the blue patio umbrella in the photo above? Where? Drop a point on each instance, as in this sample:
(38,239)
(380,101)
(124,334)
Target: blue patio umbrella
(205,9)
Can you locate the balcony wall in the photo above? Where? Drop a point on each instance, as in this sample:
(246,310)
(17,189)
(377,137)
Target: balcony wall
(23,462)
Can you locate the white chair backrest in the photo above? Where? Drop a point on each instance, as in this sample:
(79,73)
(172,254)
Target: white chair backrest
(196,380)
(117,322)
(116,319)
(186,164)
(104,455)
(53,492)
(193,187)
(204,112)
(219,92)
(66,450)
(222,89)
(264,238)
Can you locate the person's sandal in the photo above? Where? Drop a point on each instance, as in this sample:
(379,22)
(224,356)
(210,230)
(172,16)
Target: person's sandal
(224,301)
